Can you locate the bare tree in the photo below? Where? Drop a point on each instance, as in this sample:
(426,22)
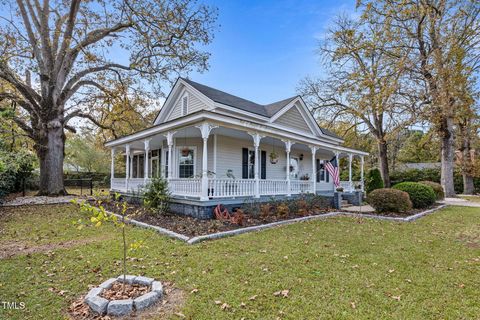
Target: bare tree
(363,84)
(439,45)
(54,54)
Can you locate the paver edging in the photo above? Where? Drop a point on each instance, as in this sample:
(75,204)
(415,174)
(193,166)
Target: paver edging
(229,233)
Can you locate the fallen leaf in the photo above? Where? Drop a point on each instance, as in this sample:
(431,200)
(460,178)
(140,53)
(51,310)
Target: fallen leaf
(396,298)
(179,314)
(218,302)
(243,304)
(225,306)
(194,290)
(283,293)
(352,304)
(253,297)
(391,270)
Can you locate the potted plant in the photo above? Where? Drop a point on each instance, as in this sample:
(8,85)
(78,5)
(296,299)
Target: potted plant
(305,177)
(339,189)
(273,157)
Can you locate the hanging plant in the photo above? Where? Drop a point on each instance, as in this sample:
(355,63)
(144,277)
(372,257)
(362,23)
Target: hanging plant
(185,151)
(273,157)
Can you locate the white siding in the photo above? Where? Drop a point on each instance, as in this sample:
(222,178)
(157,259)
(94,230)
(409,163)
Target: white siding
(194,105)
(293,119)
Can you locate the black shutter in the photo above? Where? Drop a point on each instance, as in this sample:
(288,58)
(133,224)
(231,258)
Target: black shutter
(317,169)
(263,169)
(244,163)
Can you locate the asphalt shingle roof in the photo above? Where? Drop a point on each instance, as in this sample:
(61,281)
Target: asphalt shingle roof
(228,99)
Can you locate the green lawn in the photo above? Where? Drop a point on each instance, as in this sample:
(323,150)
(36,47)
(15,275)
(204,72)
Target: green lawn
(340,268)
(470,198)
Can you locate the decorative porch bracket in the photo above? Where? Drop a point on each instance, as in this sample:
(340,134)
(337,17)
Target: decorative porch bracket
(288,148)
(205,129)
(256,144)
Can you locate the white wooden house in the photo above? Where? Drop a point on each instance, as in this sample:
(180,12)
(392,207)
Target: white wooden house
(212,145)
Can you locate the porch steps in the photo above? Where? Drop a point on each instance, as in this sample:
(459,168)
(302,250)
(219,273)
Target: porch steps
(345,204)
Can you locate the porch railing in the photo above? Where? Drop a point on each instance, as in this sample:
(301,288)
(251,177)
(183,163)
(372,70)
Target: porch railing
(231,187)
(185,187)
(301,186)
(273,187)
(217,188)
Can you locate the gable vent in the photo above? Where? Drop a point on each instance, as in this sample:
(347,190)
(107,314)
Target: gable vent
(184,105)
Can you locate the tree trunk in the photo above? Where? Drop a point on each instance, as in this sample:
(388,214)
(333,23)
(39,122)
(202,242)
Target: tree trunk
(447,157)
(383,162)
(51,161)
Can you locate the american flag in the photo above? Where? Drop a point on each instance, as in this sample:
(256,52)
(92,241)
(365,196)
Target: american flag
(332,168)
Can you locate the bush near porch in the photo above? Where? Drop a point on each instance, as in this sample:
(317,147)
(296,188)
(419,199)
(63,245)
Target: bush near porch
(336,268)
(421,195)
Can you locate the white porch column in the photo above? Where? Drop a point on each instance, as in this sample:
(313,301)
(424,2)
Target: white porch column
(205,129)
(350,159)
(362,160)
(256,144)
(145,165)
(314,170)
(288,147)
(215,153)
(169,137)
(127,165)
(338,165)
(112,166)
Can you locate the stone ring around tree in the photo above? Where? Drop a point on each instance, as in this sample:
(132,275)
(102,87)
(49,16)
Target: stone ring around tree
(144,292)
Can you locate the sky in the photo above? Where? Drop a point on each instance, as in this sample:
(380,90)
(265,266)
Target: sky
(262,49)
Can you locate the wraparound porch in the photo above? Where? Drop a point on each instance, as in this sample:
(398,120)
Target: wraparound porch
(211,159)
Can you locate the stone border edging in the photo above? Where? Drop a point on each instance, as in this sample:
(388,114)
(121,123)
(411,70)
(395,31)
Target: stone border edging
(230,233)
(160,230)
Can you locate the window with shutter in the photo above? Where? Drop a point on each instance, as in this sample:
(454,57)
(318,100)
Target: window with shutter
(263,162)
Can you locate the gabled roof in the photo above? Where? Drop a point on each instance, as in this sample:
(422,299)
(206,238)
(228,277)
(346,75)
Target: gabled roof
(268,110)
(237,102)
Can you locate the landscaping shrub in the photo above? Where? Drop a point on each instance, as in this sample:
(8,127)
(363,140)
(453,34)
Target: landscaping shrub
(157,196)
(437,188)
(14,168)
(422,196)
(417,175)
(373,180)
(389,200)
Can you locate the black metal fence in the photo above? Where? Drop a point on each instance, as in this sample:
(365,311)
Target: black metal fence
(79,186)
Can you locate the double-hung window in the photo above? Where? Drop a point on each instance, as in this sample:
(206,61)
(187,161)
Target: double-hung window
(186,162)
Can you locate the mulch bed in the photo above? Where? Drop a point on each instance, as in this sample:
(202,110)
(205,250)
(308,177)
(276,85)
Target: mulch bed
(193,227)
(131,291)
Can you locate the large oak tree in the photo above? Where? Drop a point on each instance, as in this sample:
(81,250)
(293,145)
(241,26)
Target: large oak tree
(363,85)
(55,55)
(439,42)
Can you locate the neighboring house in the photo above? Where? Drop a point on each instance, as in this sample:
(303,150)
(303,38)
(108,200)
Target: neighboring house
(211,145)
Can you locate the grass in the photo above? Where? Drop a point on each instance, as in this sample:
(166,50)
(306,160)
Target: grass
(340,268)
(470,198)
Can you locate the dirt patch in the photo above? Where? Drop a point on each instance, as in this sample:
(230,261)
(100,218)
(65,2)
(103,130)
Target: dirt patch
(471,237)
(171,303)
(116,292)
(9,250)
